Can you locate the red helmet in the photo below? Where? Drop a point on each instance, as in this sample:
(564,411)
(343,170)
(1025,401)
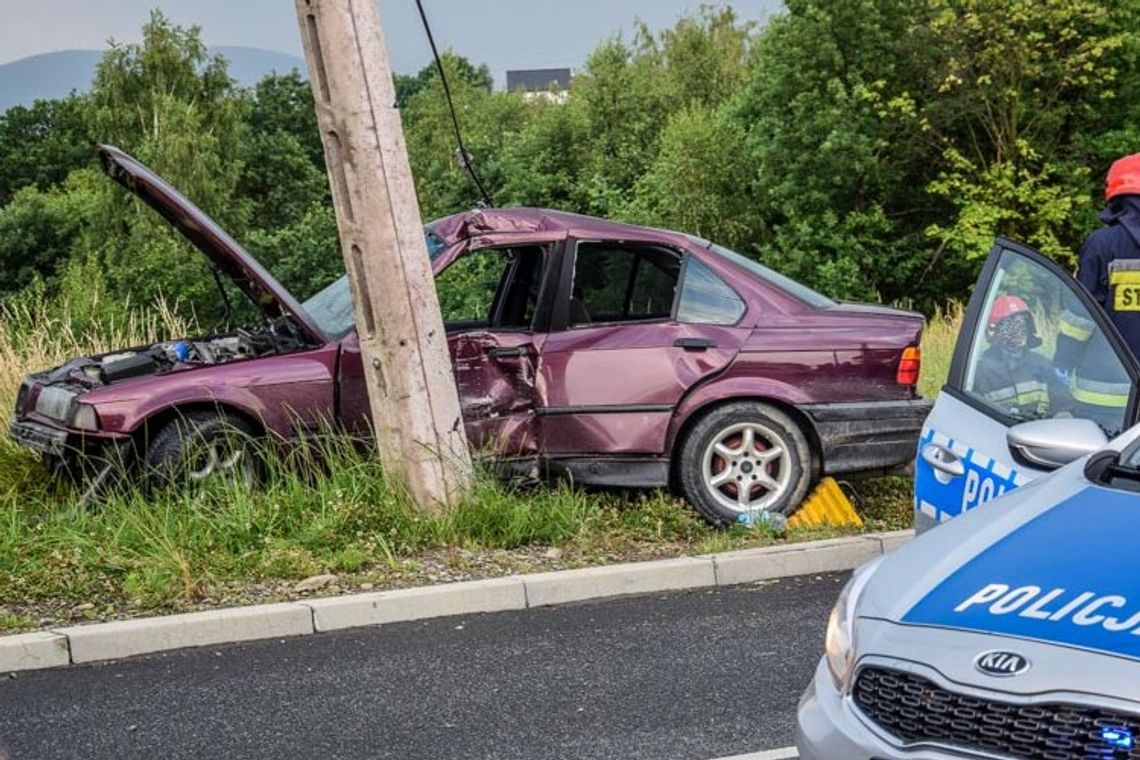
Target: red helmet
(1123,177)
(1007,306)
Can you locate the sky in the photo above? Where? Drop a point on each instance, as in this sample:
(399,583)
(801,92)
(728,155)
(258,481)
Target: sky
(505,34)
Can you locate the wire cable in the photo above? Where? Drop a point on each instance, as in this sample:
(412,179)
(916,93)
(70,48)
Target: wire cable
(464,157)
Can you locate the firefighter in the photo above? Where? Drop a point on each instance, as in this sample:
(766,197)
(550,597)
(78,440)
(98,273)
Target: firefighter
(1109,269)
(1010,374)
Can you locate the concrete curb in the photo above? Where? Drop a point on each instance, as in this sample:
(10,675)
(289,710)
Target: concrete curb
(127,638)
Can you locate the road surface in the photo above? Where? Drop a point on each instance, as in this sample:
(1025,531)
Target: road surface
(697,675)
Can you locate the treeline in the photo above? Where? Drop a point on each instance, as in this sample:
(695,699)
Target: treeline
(870,148)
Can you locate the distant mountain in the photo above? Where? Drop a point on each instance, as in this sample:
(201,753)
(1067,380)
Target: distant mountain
(54,75)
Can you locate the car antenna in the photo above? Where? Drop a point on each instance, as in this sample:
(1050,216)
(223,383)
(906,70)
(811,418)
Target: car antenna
(465,158)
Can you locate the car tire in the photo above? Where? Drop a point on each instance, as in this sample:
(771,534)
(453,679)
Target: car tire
(717,463)
(201,447)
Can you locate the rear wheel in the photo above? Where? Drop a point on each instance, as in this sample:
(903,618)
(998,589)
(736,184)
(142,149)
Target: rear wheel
(742,459)
(203,447)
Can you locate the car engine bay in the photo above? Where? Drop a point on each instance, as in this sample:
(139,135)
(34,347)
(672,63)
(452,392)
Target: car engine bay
(168,356)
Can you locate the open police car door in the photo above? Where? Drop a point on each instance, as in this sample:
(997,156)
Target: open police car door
(1033,346)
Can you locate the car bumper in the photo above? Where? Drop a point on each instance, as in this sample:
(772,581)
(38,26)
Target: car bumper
(42,438)
(827,728)
(868,436)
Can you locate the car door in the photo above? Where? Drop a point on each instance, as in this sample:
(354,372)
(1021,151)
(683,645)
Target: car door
(625,344)
(1067,360)
(493,303)
(495,311)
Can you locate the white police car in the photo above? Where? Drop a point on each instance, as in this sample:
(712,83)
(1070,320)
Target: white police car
(1013,631)
(975,444)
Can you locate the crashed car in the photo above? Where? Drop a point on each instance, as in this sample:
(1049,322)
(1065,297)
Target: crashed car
(1012,631)
(613,354)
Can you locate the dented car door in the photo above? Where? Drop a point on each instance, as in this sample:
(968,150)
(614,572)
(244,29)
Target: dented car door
(495,376)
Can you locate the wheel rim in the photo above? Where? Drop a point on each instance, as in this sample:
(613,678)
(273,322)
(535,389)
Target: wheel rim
(747,468)
(224,457)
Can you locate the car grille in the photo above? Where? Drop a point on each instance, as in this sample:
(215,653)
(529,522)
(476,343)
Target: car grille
(918,711)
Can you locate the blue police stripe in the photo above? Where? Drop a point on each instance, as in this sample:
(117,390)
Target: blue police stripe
(950,499)
(1069,576)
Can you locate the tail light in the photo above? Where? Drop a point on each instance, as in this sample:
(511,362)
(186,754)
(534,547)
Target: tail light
(909,366)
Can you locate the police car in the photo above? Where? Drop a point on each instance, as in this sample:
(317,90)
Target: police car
(1013,630)
(980,440)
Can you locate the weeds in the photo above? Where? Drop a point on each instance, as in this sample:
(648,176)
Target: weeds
(938,348)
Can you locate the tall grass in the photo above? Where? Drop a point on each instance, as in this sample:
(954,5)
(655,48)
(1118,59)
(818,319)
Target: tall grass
(938,348)
(36,335)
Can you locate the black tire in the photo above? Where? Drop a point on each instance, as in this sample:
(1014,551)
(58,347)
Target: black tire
(180,454)
(772,430)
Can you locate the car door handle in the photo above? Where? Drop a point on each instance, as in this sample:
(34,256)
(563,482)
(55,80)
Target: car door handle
(694,344)
(502,351)
(943,459)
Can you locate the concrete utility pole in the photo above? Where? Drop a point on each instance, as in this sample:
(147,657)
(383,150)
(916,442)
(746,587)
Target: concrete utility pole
(415,405)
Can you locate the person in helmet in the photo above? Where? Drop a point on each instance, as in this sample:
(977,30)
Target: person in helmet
(1109,264)
(1109,269)
(1010,374)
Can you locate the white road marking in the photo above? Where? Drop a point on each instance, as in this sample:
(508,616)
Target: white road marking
(785,753)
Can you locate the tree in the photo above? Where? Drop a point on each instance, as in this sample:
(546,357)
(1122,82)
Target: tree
(284,103)
(170,104)
(836,178)
(282,162)
(489,121)
(1016,85)
(459,69)
(41,144)
(699,179)
(38,229)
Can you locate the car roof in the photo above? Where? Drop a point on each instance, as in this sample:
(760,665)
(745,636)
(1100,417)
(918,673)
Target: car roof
(485,221)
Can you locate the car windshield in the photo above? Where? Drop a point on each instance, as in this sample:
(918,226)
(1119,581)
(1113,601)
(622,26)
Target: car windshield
(787,284)
(331,308)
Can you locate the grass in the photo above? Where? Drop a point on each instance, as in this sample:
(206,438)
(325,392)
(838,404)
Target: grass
(938,348)
(177,550)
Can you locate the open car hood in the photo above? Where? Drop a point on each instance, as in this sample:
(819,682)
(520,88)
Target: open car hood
(224,253)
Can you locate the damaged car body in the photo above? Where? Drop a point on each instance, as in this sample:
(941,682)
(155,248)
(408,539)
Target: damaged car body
(614,354)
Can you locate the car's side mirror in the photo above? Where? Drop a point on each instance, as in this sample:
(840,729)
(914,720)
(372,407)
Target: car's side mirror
(1049,444)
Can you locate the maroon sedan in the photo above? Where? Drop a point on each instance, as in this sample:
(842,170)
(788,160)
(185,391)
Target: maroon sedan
(613,354)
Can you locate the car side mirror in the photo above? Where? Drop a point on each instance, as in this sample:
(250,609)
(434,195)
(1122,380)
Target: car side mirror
(1050,444)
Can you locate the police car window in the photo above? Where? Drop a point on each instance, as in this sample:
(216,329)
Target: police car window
(1038,353)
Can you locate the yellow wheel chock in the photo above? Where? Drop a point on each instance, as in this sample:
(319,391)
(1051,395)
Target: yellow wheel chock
(826,506)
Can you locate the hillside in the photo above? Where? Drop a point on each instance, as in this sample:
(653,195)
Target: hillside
(54,75)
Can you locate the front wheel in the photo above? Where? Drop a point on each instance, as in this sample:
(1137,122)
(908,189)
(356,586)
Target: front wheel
(742,459)
(203,447)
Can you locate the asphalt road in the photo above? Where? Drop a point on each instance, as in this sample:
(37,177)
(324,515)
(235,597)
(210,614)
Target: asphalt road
(698,675)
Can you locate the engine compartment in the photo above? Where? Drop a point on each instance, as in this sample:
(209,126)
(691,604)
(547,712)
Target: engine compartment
(169,356)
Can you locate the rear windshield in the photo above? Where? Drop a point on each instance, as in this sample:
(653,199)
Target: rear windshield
(787,284)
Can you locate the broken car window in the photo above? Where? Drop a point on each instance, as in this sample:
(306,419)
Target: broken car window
(492,288)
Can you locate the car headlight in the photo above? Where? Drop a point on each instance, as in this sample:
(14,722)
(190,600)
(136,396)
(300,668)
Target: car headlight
(82,417)
(22,398)
(840,641)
